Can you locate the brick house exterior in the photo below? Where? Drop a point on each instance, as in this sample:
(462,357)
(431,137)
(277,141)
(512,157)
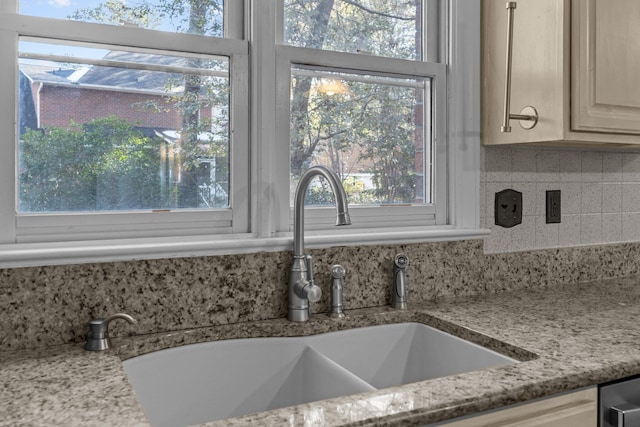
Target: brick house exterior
(65,95)
(58,104)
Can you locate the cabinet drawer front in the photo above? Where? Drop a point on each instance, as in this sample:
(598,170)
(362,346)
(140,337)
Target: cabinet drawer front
(577,409)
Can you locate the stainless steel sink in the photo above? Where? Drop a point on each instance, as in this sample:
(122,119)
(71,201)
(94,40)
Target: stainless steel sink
(215,380)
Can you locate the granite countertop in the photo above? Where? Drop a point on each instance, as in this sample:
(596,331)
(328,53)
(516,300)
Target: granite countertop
(566,337)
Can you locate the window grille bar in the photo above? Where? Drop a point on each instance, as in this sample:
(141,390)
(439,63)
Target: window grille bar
(123,64)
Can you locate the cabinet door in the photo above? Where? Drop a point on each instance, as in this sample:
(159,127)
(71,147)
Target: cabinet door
(605,48)
(540,63)
(578,409)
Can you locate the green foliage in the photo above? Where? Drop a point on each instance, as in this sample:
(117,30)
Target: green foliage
(118,12)
(105,164)
(371,128)
(321,194)
(183,16)
(379,27)
(108,165)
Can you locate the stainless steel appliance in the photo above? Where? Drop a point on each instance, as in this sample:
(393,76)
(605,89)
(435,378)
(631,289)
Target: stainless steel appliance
(619,403)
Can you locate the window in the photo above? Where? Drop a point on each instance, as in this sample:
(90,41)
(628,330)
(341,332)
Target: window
(364,100)
(175,127)
(392,28)
(124,114)
(151,131)
(367,128)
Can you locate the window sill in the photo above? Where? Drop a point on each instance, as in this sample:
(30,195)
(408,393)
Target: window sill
(40,254)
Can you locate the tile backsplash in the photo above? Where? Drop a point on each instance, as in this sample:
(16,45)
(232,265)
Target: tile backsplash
(600,196)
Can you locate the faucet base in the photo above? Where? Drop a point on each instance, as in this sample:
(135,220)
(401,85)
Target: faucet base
(399,305)
(299,314)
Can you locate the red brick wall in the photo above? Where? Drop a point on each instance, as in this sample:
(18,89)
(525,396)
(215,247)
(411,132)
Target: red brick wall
(60,105)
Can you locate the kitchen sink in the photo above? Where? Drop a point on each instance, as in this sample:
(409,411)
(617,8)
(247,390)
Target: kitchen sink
(222,379)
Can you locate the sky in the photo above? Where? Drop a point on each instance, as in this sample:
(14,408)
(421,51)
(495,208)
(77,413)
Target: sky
(59,9)
(62,9)
(55,8)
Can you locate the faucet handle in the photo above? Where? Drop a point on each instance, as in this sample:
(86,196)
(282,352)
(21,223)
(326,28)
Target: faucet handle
(98,335)
(308,260)
(312,292)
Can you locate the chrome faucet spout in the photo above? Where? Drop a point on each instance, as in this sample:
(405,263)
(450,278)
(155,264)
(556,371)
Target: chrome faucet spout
(342,208)
(302,289)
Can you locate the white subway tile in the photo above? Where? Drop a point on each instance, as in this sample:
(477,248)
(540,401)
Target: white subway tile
(591,229)
(591,198)
(571,198)
(631,167)
(612,167)
(570,166)
(611,198)
(592,166)
(630,227)
(524,165)
(547,166)
(569,230)
(631,197)
(611,227)
(498,164)
(523,236)
(499,240)
(547,235)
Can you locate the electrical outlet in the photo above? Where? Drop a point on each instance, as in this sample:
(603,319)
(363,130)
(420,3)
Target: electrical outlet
(553,206)
(508,208)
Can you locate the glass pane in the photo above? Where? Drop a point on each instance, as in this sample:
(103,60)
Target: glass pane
(391,28)
(194,16)
(121,130)
(368,129)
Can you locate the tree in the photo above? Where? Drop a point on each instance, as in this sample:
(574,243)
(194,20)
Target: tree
(118,12)
(202,17)
(372,122)
(82,169)
(368,131)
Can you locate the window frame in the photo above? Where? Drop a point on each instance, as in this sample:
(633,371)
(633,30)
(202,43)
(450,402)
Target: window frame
(58,227)
(365,216)
(265,231)
(319,220)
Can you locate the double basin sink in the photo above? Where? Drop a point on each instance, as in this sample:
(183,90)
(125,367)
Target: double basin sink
(203,382)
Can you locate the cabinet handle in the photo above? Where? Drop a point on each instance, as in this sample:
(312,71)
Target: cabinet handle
(624,414)
(528,115)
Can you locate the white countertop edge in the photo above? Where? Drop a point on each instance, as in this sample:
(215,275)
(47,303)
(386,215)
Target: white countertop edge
(41,254)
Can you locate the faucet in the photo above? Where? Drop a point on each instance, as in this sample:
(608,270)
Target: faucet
(400,282)
(98,336)
(302,288)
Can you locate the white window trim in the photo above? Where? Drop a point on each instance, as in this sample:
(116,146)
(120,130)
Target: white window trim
(362,217)
(463,134)
(27,228)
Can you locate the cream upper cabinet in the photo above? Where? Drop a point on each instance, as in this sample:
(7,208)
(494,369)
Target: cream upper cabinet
(606,73)
(577,409)
(576,62)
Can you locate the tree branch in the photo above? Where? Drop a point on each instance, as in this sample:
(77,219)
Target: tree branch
(375,12)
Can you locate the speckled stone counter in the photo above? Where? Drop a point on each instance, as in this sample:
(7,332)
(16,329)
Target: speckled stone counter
(566,337)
